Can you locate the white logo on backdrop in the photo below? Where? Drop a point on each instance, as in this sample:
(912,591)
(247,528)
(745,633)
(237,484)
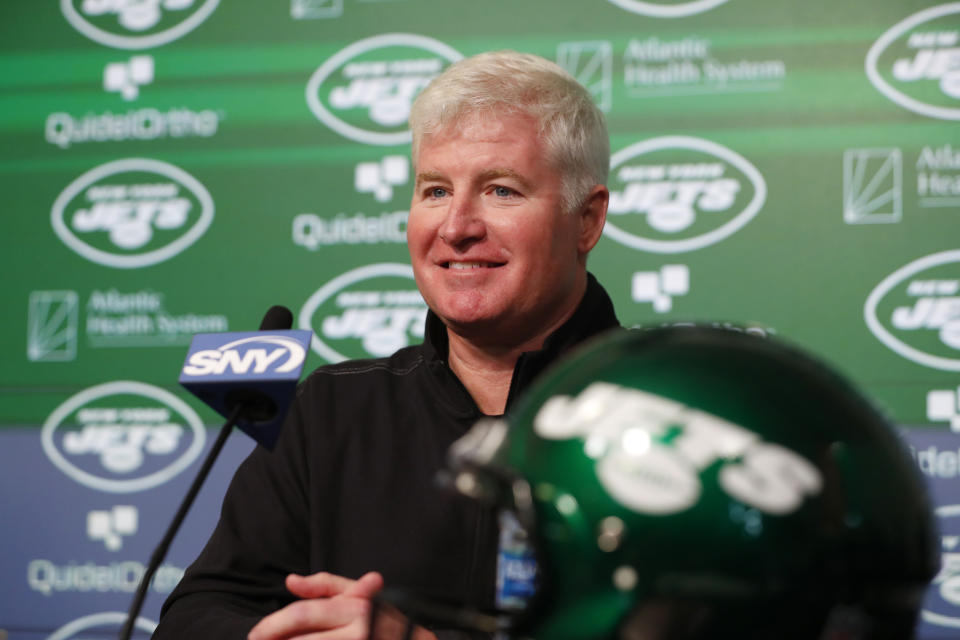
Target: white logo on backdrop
(52,326)
(656,67)
(591,63)
(315,9)
(135,16)
(670,197)
(121,438)
(934,306)
(130,212)
(936,59)
(946,584)
(660,287)
(943,405)
(111,526)
(383,321)
(938,174)
(385,88)
(126,78)
(872,186)
(667,10)
(112,620)
(379,178)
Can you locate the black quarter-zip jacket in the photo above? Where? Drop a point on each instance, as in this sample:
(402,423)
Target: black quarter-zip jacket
(351,487)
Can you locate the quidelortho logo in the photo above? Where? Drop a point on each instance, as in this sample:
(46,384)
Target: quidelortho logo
(132,213)
(107,623)
(660,287)
(385,180)
(364,91)
(128,76)
(111,526)
(916,63)
(368,312)
(678,193)
(136,24)
(943,405)
(916,311)
(65,130)
(668,9)
(123,436)
(941,606)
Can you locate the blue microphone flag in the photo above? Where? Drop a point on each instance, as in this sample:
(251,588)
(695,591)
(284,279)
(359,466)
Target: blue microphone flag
(258,369)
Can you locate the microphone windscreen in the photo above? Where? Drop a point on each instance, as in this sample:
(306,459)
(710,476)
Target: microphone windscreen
(277,318)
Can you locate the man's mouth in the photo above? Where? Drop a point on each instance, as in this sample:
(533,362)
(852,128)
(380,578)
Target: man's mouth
(471,265)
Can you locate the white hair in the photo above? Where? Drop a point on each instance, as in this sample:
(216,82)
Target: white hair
(572,128)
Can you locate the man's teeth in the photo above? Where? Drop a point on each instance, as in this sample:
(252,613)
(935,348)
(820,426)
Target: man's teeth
(467,265)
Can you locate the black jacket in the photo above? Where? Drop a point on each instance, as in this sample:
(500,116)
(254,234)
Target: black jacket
(351,487)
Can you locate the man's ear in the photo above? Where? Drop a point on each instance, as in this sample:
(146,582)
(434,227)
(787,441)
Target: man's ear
(593,215)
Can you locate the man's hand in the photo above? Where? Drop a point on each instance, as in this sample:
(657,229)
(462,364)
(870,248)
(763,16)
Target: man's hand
(333,607)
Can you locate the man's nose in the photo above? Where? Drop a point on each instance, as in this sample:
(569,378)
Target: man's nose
(463,224)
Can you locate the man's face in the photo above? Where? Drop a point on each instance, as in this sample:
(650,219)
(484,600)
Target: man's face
(492,252)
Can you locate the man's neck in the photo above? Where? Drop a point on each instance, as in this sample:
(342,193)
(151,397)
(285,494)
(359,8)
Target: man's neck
(486,370)
(486,375)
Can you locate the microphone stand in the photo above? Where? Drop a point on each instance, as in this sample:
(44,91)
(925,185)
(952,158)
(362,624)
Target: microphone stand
(161,551)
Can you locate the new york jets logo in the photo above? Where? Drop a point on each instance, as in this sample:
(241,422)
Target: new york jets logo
(368,312)
(916,63)
(122,436)
(132,213)
(679,193)
(668,9)
(364,92)
(136,24)
(915,311)
(941,606)
(625,431)
(106,623)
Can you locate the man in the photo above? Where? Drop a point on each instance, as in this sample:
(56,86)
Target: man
(511,157)
(699,483)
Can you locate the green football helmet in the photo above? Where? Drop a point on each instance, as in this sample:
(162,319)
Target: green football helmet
(697,482)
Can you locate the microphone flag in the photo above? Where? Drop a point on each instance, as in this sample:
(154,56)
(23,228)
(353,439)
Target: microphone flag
(257,369)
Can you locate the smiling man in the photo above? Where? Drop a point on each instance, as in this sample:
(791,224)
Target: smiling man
(511,157)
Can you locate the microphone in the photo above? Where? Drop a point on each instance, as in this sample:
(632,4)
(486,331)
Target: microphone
(249,378)
(255,371)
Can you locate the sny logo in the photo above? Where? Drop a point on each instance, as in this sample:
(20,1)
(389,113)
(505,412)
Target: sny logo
(255,354)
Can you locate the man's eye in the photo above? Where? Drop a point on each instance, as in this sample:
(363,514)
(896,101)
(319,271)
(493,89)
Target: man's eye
(437,192)
(502,192)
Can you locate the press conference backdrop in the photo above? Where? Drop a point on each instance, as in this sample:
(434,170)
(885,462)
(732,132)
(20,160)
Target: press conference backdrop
(177,166)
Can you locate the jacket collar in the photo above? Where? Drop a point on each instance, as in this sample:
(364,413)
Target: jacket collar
(594,315)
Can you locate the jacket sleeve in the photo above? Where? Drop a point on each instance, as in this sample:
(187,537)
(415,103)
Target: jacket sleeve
(262,535)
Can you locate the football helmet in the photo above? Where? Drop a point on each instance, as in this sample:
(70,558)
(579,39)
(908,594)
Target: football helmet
(695,482)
